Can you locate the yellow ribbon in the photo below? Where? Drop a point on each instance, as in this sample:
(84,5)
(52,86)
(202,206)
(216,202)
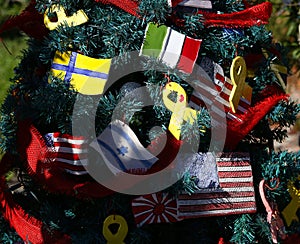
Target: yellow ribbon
(119,236)
(77,18)
(179,109)
(290,211)
(238,74)
(277,69)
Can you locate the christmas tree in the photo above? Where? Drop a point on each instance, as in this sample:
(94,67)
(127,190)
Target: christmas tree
(148,122)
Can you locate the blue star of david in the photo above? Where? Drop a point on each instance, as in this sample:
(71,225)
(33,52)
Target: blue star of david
(122,150)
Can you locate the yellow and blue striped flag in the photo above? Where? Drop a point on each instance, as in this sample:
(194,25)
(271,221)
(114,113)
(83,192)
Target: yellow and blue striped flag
(85,74)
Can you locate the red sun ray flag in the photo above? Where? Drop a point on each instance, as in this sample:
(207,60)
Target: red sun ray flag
(154,208)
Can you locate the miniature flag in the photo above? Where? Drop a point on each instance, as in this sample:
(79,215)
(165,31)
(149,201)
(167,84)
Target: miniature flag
(223,88)
(232,193)
(122,150)
(87,75)
(173,48)
(234,196)
(204,4)
(154,208)
(67,152)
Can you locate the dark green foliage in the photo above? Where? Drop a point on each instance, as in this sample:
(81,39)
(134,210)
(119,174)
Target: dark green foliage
(7,235)
(243,230)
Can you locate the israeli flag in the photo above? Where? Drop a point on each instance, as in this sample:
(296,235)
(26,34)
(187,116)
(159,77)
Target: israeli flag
(122,150)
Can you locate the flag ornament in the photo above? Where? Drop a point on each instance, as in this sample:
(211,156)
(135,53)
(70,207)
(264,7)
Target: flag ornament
(171,47)
(67,152)
(224,89)
(121,149)
(235,194)
(87,75)
(204,4)
(155,208)
(247,113)
(232,193)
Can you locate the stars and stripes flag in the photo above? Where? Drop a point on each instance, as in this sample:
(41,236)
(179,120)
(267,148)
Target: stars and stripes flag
(155,208)
(171,47)
(235,194)
(67,152)
(206,96)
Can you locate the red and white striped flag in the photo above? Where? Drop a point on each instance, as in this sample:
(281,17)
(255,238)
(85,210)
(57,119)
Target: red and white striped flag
(68,152)
(234,196)
(223,87)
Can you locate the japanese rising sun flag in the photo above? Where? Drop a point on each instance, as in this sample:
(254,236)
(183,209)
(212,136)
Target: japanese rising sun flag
(173,48)
(155,208)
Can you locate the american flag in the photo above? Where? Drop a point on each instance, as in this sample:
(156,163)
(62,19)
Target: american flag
(205,95)
(235,195)
(67,152)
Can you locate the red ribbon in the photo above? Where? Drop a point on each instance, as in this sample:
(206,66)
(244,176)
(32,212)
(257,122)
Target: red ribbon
(29,21)
(266,100)
(32,22)
(128,6)
(256,15)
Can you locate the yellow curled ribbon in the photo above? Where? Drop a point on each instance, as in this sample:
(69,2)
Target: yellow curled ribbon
(180,111)
(119,236)
(77,18)
(238,74)
(290,211)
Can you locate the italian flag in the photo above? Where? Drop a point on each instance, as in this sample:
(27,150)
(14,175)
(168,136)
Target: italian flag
(173,48)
